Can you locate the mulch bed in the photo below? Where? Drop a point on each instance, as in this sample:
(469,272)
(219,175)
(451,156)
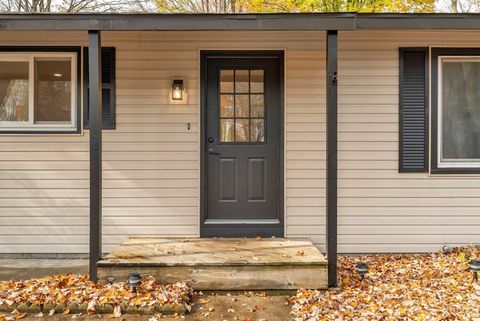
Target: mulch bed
(71,294)
(436,286)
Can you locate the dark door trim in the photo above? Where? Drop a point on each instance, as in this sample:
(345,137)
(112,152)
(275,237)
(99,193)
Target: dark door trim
(247,229)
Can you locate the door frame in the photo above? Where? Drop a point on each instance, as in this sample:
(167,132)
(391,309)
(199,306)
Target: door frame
(248,229)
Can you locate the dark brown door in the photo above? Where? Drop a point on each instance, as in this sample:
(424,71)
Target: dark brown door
(243,154)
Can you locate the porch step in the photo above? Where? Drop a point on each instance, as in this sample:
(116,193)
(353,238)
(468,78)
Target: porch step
(220,263)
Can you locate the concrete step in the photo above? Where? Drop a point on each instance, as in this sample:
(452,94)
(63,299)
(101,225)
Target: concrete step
(220,263)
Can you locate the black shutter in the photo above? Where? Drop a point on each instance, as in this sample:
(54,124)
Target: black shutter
(108,87)
(413,112)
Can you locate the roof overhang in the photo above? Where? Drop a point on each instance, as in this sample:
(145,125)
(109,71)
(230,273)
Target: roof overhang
(261,21)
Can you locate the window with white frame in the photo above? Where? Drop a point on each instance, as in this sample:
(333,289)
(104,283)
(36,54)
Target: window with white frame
(458,144)
(38,91)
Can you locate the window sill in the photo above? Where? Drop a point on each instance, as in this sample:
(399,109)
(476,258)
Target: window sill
(455,170)
(49,132)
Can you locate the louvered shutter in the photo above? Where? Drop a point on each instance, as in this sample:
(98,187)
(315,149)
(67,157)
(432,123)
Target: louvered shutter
(108,87)
(413,111)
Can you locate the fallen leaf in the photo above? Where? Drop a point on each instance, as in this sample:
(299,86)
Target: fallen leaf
(91,307)
(117,312)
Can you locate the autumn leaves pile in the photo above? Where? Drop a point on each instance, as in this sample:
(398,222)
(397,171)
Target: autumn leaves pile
(64,294)
(427,287)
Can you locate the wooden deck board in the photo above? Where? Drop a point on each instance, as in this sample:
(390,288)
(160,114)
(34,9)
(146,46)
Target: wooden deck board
(221,264)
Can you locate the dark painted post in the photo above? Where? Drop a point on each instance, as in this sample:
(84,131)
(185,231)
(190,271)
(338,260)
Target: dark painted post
(332,132)
(95,124)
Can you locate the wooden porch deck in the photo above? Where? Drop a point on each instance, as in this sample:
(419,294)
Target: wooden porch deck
(221,263)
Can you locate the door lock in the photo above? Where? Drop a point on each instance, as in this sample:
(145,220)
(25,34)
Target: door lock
(211,139)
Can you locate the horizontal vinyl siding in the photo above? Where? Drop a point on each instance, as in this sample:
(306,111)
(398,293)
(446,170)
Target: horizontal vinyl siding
(305,142)
(151,161)
(381,210)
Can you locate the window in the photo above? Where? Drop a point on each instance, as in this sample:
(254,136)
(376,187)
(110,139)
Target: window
(242,104)
(455,110)
(38,91)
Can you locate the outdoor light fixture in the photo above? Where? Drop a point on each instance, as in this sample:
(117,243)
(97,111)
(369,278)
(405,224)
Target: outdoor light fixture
(474,267)
(57,75)
(134,280)
(446,249)
(177,89)
(362,269)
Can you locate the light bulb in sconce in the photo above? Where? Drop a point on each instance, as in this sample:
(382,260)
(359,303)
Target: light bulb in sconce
(177,89)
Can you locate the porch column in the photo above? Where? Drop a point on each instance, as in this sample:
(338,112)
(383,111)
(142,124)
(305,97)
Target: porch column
(95,124)
(332,131)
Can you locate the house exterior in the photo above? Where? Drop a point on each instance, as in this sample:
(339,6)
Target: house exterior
(253,147)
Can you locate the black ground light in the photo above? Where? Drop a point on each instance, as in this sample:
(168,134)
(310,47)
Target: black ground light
(134,280)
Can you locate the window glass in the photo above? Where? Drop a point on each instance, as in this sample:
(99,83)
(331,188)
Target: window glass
(241,106)
(13,91)
(53,90)
(242,112)
(256,102)
(241,81)
(241,130)
(226,130)
(36,91)
(460,110)
(256,81)
(226,81)
(256,131)
(226,106)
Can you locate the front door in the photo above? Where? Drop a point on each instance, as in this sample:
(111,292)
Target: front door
(243,175)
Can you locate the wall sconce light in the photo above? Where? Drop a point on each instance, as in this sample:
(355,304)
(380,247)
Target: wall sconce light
(177,88)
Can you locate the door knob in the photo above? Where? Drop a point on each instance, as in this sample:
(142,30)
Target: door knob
(212,151)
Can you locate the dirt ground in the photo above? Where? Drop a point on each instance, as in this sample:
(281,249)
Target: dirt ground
(208,306)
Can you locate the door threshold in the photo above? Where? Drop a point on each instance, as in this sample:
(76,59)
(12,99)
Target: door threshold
(241,222)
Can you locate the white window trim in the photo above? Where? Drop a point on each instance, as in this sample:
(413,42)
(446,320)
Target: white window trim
(42,126)
(450,163)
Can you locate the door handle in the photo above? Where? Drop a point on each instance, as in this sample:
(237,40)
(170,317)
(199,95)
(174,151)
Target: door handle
(212,151)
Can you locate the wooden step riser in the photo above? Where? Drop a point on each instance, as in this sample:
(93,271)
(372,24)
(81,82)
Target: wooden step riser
(230,278)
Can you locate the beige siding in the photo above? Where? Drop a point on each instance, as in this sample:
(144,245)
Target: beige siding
(151,161)
(379,208)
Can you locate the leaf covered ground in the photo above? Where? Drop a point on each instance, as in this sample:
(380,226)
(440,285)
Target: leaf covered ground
(62,293)
(427,287)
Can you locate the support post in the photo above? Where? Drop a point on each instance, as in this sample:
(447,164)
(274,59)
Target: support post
(95,124)
(332,133)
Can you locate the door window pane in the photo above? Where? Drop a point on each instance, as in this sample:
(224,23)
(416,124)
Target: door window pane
(242,114)
(226,81)
(256,81)
(241,130)
(241,106)
(226,131)
(53,90)
(460,108)
(226,106)
(241,81)
(257,131)
(13,91)
(256,102)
